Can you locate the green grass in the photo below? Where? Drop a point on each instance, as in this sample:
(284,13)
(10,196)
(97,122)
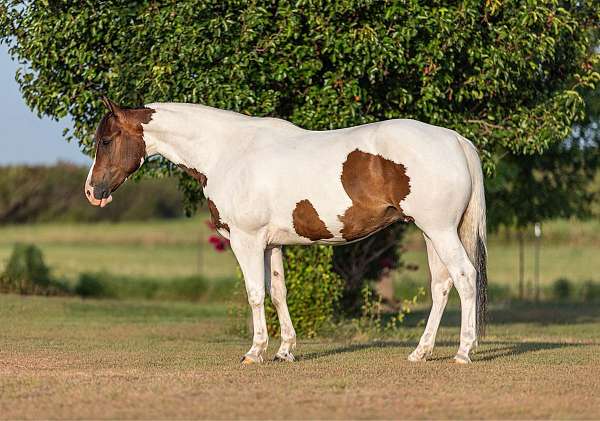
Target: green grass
(179,248)
(157,249)
(72,358)
(569,249)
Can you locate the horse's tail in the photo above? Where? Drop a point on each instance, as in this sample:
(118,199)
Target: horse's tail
(472,230)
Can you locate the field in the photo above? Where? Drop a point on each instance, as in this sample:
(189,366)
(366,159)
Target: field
(103,359)
(68,358)
(166,249)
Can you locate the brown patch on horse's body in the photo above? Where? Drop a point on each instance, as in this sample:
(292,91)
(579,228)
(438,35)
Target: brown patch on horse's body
(192,172)
(215,217)
(307,222)
(376,186)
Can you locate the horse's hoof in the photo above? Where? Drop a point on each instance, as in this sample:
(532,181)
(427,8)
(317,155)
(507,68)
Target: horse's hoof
(251,359)
(287,357)
(418,357)
(462,359)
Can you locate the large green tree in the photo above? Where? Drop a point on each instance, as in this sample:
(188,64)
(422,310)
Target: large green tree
(506,74)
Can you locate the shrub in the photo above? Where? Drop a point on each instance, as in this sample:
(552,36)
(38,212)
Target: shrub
(590,291)
(93,285)
(374,321)
(562,289)
(191,288)
(26,273)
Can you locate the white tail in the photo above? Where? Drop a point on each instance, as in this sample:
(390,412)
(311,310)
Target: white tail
(472,230)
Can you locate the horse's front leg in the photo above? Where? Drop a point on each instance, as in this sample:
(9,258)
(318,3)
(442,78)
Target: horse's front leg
(276,287)
(249,251)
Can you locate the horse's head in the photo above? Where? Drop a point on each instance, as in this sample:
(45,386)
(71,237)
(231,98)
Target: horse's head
(120,151)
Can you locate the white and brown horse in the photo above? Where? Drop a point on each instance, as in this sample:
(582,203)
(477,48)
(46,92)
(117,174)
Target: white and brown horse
(270,183)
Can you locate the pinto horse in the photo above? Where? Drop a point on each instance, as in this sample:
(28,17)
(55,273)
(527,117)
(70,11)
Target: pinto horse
(269,183)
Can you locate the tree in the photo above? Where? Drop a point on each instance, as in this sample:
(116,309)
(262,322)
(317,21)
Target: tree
(534,188)
(528,189)
(506,74)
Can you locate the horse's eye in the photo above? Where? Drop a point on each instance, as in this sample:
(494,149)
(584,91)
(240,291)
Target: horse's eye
(106,142)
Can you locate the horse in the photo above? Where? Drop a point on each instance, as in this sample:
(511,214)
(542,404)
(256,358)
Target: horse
(269,183)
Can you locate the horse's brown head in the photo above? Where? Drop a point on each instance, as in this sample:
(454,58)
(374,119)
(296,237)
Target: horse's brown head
(120,151)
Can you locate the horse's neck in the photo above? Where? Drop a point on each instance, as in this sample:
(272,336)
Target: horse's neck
(193,135)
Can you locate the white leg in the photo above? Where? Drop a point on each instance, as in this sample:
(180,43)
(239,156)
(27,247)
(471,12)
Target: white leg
(249,251)
(451,252)
(441,284)
(276,287)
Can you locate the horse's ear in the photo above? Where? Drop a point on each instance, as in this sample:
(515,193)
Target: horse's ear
(113,108)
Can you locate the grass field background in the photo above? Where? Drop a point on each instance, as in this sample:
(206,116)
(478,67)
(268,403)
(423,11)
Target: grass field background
(175,248)
(104,359)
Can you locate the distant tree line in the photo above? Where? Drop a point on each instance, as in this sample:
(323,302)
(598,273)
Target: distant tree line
(55,193)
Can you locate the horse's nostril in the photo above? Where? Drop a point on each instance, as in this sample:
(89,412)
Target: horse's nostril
(100,193)
(88,193)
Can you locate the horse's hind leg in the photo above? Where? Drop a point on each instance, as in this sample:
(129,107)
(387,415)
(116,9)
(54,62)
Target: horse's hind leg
(441,283)
(452,253)
(276,287)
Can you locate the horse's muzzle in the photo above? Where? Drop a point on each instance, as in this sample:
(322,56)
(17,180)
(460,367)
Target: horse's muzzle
(97,196)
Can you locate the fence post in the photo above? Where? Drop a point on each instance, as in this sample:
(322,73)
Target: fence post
(537,230)
(521,264)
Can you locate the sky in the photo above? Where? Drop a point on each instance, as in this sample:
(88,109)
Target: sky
(25,138)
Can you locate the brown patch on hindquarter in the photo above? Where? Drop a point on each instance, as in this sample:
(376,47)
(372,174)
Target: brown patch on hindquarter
(376,186)
(192,172)
(307,222)
(216,218)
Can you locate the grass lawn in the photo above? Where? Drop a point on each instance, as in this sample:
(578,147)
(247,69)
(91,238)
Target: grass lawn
(174,248)
(157,249)
(68,358)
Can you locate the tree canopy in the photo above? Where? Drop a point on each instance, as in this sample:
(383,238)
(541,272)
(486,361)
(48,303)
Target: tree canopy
(509,75)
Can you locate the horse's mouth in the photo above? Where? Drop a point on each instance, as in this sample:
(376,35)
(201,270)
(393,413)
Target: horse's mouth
(105,201)
(89,193)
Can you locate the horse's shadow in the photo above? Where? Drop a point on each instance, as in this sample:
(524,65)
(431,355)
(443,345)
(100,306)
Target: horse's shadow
(490,351)
(541,314)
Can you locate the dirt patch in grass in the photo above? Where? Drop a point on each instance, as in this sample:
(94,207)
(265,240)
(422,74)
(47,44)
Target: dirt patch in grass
(66,358)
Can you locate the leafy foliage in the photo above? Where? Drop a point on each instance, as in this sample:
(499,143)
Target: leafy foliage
(562,289)
(532,188)
(371,320)
(505,74)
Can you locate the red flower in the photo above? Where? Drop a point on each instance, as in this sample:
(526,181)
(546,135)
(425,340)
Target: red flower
(219,243)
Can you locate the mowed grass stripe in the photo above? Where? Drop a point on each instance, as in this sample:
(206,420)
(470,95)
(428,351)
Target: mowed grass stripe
(106,359)
(174,248)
